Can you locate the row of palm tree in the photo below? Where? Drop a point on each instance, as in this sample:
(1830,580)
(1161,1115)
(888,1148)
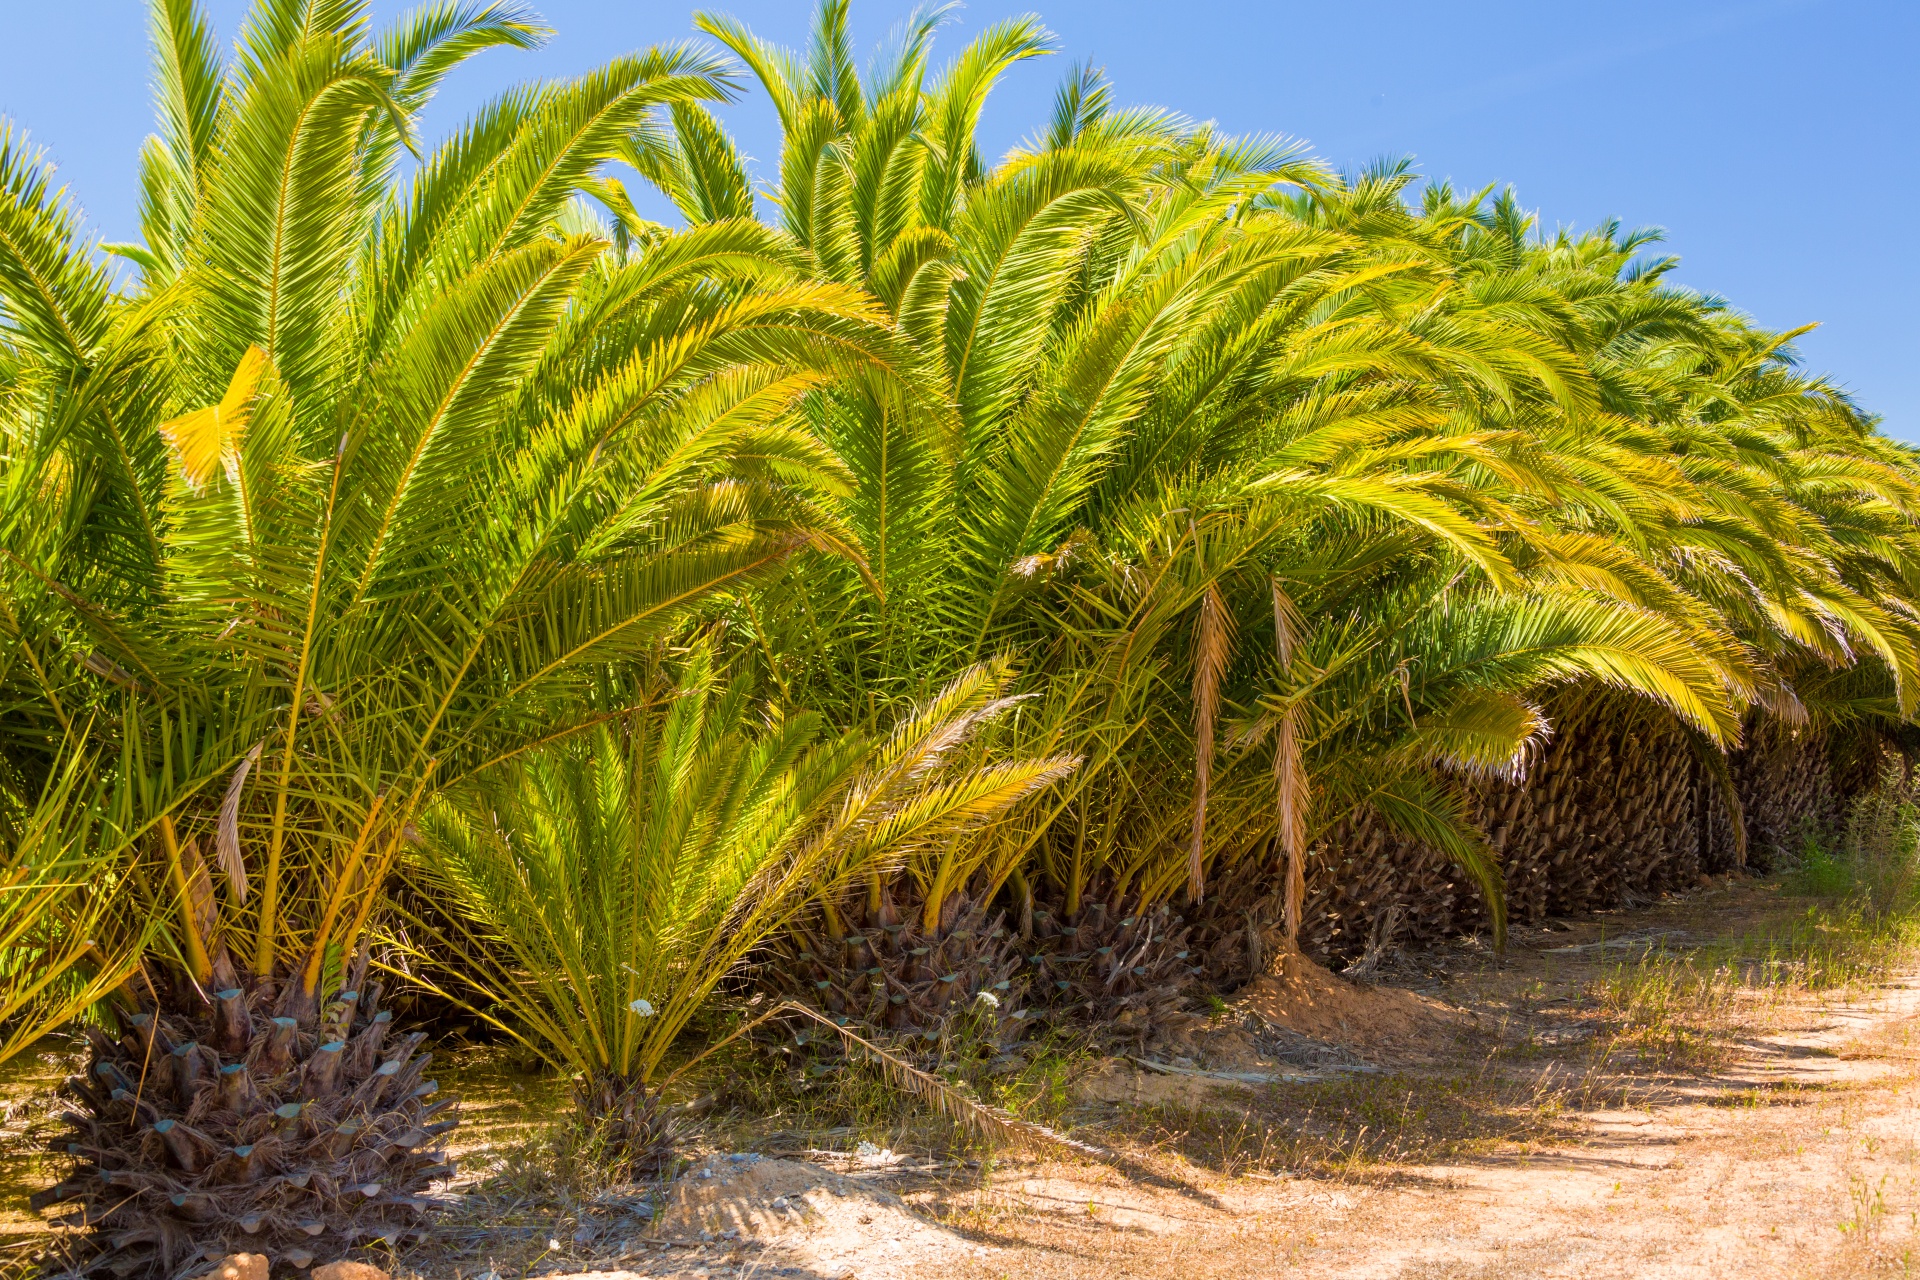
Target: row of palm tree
(1294,497)
(968,562)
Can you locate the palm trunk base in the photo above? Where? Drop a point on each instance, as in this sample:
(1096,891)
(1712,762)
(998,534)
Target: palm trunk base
(628,1131)
(1618,811)
(1124,974)
(925,994)
(218,1124)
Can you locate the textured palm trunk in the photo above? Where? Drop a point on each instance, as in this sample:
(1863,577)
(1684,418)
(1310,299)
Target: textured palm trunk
(627,1125)
(1618,810)
(1607,817)
(888,971)
(220,1124)
(1125,974)
(1789,789)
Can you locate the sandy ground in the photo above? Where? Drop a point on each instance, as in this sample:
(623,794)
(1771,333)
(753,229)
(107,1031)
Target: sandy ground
(1794,1156)
(1459,1118)
(1819,1179)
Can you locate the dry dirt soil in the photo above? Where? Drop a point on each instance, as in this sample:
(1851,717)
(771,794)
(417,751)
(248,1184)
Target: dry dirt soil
(1461,1117)
(1456,1115)
(1794,1154)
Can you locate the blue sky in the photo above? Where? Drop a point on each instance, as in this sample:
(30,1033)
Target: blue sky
(1772,139)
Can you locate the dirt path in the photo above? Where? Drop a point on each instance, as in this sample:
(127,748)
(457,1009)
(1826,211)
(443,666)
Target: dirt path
(1823,1183)
(1819,1184)
(1796,1158)
(1468,1118)
(1521,1141)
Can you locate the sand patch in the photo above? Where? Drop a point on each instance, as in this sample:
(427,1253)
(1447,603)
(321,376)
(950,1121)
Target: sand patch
(1298,1025)
(805,1216)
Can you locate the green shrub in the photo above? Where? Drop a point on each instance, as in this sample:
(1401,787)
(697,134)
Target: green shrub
(1821,874)
(1871,861)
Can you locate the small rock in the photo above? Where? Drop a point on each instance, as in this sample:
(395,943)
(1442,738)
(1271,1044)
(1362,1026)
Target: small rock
(239,1266)
(344,1270)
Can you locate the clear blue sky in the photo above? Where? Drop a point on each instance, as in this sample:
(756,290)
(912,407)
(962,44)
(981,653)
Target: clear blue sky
(1773,139)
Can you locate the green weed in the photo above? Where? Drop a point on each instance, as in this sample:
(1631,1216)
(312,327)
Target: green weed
(1669,1009)
(1685,1008)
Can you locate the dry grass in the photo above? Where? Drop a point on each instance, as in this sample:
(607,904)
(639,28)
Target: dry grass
(1572,1041)
(1363,1126)
(1693,1008)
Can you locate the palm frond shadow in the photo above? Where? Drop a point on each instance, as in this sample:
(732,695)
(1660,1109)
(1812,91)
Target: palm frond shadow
(979,1118)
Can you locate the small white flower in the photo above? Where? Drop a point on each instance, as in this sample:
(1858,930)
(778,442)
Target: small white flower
(642,1007)
(988,999)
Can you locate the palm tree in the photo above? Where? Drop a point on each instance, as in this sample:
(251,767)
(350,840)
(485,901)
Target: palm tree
(58,948)
(1183,367)
(601,890)
(366,488)
(1682,502)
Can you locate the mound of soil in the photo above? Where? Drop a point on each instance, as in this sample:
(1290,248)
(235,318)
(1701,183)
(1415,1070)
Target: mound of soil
(1305,998)
(820,1221)
(1300,1022)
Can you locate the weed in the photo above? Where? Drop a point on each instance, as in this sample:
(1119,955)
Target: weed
(782,1095)
(1868,1204)
(1686,1008)
(1871,862)
(1821,873)
(1669,1009)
